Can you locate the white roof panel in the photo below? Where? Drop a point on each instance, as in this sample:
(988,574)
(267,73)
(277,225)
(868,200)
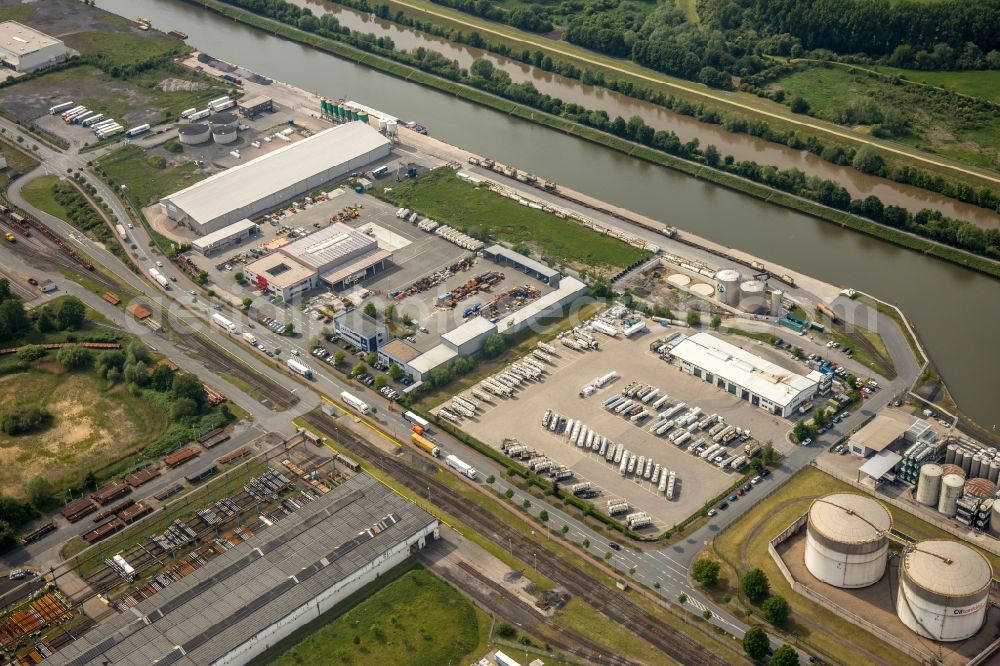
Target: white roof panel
(20,39)
(738,366)
(247,183)
(225,233)
(880,464)
(470,330)
(432,358)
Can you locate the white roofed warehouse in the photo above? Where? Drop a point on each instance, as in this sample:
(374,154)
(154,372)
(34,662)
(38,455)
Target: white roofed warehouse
(747,376)
(24,49)
(272,179)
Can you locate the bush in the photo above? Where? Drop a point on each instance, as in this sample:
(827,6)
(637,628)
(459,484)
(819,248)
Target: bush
(706,572)
(785,656)
(755,585)
(30,353)
(693,318)
(776,610)
(39,491)
(756,643)
(32,418)
(504,630)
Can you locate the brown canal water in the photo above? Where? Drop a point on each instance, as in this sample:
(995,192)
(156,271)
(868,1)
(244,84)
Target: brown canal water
(956,312)
(740,146)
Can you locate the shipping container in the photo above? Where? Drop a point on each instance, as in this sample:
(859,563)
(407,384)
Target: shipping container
(217,318)
(456,463)
(137,130)
(425,444)
(355,402)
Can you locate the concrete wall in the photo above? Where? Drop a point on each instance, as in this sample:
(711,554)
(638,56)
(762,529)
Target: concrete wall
(325,601)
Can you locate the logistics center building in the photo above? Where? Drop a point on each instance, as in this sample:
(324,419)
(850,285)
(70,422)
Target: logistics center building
(257,593)
(337,254)
(24,49)
(268,181)
(747,376)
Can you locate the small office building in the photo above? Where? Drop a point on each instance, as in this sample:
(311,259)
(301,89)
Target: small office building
(217,241)
(254,106)
(361,330)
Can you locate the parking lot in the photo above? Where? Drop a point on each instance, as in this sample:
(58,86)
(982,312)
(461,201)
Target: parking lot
(520,418)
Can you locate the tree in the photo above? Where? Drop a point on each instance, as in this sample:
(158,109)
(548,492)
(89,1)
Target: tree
(162,378)
(136,373)
(693,318)
(493,346)
(202,277)
(30,353)
(380,381)
(9,535)
(182,408)
(799,105)
(755,585)
(71,313)
(775,610)
(338,357)
(868,160)
(247,302)
(30,418)
(682,598)
(712,156)
(801,431)
(543,516)
(359,370)
(389,313)
(716,322)
(785,656)
(186,385)
(14,512)
(756,643)
(45,323)
(395,372)
(74,357)
(288,329)
(505,630)
(370,310)
(706,572)
(137,352)
(371,358)
(39,491)
(821,417)
(13,319)
(90,481)
(239,276)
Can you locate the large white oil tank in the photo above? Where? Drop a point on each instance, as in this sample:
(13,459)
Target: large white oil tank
(929,484)
(728,287)
(846,540)
(224,119)
(223,134)
(949,454)
(193,134)
(951,490)
(943,590)
(752,296)
(776,296)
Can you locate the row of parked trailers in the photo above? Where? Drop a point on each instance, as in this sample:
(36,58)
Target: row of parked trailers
(502,385)
(578,339)
(536,461)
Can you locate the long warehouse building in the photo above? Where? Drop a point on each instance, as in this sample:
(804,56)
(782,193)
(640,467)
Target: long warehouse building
(747,376)
(268,181)
(252,596)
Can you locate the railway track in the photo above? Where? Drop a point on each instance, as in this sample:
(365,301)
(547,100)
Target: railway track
(614,605)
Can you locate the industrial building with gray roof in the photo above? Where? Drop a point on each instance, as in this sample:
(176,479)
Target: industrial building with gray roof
(250,597)
(272,179)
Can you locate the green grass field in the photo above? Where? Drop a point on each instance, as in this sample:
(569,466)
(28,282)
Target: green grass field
(39,194)
(122,48)
(744,545)
(966,135)
(17,163)
(92,426)
(415,619)
(481,213)
(984,84)
(130,166)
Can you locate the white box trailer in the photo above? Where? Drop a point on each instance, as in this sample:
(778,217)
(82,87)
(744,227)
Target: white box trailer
(355,402)
(59,108)
(217,318)
(456,463)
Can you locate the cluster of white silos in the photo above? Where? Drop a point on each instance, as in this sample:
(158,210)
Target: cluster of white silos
(943,585)
(943,590)
(728,286)
(220,127)
(847,540)
(982,463)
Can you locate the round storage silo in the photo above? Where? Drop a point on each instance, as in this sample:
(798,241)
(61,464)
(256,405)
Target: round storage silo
(381,125)
(846,540)
(728,286)
(390,127)
(929,484)
(224,120)
(752,296)
(951,490)
(776,296)
(981,488)
(224,135)
(952,469)
(995,519)
(949,454)
(994,475)
(943,590)
(363,117)
(974,467)
(192,134)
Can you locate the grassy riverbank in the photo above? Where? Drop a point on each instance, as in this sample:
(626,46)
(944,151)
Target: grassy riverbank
(702,172)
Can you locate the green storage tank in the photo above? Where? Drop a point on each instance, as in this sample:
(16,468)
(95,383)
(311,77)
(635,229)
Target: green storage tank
(324,107)
(363,116)
(338,110)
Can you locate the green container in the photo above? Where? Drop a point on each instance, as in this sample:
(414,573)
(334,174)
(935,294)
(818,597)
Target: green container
(338,110)
(324,107)
(363,116)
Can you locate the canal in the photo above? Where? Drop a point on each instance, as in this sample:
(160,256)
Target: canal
(956,312)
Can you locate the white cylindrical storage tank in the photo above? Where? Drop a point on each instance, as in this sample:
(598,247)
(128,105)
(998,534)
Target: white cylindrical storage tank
(752,296)
(194,133)
(929,485)
(995,519)
(949,454)
(994,470)
(846,540)
(390,127)
(224,119)
(224,134)
(776,296)
(977,462)
(728,287)
(965,458)
(943,590)
(951,490)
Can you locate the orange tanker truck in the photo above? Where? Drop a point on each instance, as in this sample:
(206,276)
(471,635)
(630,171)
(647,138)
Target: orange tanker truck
(426,444)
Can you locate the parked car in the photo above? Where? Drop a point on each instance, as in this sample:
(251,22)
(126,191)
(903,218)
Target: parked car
(723,506)
(755,480)
(733,498)
(614,546)
(712,512)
